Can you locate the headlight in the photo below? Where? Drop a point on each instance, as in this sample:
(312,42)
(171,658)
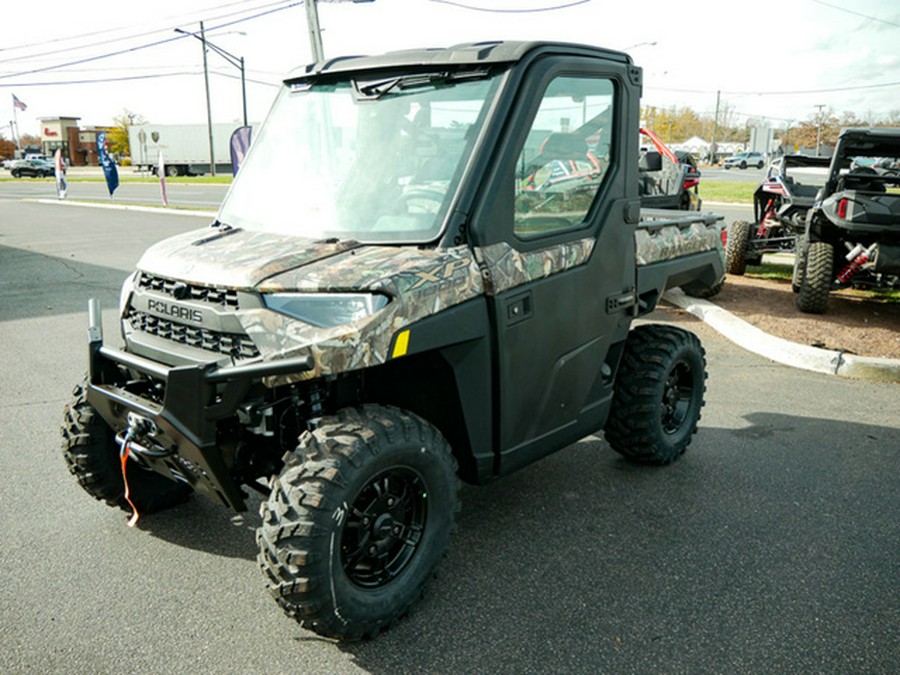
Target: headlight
(125,293)
(326,310)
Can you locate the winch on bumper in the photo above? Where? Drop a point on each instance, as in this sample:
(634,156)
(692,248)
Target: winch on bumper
(178,437)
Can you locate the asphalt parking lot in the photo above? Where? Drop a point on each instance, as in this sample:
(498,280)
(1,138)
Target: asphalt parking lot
(772,546)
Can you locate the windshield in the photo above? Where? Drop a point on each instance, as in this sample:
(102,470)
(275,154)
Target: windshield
(350,160)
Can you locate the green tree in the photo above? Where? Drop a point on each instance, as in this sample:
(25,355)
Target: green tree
(117,138)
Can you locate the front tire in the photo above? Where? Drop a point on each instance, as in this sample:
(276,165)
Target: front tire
(816,279)
(737,243)
(358,520)
(658,395)
(800,251)
(92,454)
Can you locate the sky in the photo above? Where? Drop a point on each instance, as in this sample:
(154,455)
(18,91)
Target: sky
(781,62)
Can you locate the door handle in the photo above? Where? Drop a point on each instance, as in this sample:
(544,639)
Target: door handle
(518,308)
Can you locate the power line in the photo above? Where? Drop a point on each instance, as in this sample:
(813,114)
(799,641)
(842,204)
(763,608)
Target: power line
(126,78)
(776,93)
(120,52)
(70,38)
(494,10)
(850,11)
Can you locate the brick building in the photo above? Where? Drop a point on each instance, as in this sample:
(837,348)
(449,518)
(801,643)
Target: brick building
(78,144)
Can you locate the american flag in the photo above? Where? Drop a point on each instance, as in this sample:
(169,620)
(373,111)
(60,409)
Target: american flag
(18,104)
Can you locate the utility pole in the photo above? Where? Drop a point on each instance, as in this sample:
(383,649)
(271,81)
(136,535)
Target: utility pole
(712,147)
(315,33)
(212,155)
(819,126)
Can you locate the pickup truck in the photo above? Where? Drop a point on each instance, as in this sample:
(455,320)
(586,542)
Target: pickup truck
(427,270)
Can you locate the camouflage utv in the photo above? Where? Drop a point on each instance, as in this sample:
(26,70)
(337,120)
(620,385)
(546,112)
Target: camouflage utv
(425,271)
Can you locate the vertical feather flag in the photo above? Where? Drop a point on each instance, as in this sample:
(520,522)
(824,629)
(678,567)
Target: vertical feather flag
(62,185)
(161,170)
(240,145)
(109,166)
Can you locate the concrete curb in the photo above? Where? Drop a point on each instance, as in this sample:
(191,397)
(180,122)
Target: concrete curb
(127,207)
(782,351)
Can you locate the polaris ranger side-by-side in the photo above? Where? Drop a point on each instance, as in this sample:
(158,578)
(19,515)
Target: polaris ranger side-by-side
(426,270)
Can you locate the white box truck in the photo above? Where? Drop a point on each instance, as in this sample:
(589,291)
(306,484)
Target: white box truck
(185,147)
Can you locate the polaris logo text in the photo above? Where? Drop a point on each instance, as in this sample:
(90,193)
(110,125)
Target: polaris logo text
(185,313)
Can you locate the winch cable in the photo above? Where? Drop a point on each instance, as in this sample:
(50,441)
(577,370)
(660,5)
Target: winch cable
(123,454)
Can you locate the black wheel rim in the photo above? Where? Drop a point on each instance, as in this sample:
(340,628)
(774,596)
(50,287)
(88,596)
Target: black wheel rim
(678,392)
(384,527)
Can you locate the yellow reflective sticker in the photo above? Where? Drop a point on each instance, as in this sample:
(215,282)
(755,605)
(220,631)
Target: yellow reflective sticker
(401,344)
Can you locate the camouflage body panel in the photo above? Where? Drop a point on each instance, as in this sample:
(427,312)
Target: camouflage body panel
(665,240)
(421,283)
(509,268)
(230,258)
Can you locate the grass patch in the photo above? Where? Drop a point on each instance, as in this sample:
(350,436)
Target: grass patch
(771,271)
(732,192)
(782,272)
(202,180)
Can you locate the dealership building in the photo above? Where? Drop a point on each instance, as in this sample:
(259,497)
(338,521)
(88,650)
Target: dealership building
(78,144)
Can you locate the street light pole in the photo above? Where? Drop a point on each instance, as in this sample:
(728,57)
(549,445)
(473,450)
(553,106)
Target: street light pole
(237,62)
(212,155)
(819,127)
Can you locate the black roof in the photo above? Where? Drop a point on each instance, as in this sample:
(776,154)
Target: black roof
(469,54)
(869,141)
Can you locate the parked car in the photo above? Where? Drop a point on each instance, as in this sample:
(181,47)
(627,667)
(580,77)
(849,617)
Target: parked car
(744,159)
(35,168)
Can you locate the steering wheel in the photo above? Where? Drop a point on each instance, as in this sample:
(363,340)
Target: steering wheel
(417,200)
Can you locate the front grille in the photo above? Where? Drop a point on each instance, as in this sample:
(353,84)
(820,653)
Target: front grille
(180,290)
(232,344)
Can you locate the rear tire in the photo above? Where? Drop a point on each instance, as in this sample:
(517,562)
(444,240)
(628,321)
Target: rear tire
(358,520)
(697,290)
(817,277)
(737,243)
(799,272)
(658,395)
(92,454)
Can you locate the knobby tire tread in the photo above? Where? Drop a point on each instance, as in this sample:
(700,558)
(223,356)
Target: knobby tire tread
(633,428)
(298,519)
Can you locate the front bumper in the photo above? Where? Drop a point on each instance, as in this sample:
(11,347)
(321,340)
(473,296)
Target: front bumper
(178,437)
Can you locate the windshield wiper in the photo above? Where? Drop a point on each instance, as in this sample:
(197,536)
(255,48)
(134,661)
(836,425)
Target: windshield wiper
(222,230)
(375,90)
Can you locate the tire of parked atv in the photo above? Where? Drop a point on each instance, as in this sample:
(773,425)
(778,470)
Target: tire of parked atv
(737,243)
(698,290)
(92,454)
(799,272)
(658,395)
(358,520)
(816,279)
